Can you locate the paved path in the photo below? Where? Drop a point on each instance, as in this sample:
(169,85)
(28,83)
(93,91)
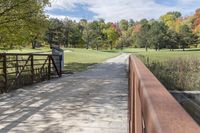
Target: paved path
(93,101)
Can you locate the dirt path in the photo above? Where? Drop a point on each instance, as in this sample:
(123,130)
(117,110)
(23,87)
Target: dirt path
(93,101)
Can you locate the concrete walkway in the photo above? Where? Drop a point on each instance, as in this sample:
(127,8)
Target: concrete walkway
(93,101)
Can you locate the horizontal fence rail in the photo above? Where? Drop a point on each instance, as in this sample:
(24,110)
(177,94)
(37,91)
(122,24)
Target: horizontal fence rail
(18,70)
(152,109)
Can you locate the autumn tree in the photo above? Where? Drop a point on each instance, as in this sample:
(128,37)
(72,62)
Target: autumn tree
(170,19)
(112,36)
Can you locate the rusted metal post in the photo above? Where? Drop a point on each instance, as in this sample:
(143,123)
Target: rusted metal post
(17,70)
(49,67)
(17,65)
(32,69)
(5,73)
(60,65)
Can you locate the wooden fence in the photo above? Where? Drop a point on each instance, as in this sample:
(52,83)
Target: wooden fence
(152,109)
(18,70)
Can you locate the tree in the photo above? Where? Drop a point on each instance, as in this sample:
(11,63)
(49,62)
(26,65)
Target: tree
(75,35)
(87,35)
(21,21)
(54,35)
(125,40)
(186,36)
(123,25)
(196,22)
(158,32)
(131,23)
(67,30)
(97,35)
(170,19)
(172,40)
(142,36)
(112,36)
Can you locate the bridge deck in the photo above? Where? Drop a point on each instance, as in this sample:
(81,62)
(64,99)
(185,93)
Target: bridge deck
(94,101)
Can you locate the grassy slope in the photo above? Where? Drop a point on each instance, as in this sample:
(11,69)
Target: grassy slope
(76,60)
(80,59)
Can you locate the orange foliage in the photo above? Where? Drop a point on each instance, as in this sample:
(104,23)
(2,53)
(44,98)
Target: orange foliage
(137,28)
(196,22)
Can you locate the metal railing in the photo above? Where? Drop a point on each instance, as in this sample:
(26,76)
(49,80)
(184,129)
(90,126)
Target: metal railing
(18,70)
(152,109)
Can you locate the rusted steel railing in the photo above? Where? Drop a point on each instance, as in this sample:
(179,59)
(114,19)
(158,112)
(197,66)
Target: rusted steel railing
(19,69)
(152,109)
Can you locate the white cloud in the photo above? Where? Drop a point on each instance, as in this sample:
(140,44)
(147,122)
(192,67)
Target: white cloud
(61,17)
(114,10)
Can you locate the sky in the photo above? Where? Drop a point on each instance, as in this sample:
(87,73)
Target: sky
(115,10)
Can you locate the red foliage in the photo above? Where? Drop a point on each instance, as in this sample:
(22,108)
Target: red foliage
(137,27)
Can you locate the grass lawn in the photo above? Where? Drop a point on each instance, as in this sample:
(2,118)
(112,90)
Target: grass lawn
(75,59)
(165,54)
(161,55)
(80,59)
(175,69)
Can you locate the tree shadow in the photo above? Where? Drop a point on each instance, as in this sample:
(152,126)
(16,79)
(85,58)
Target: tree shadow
(196,49)
(76,67)
(69,103)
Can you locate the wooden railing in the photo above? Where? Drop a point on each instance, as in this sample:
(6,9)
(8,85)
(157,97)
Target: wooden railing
(152,109)
(18,70)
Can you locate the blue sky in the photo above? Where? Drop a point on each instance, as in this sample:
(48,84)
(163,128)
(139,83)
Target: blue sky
(114,10)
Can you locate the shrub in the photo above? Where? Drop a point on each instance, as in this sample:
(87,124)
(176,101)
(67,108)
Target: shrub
(180,74)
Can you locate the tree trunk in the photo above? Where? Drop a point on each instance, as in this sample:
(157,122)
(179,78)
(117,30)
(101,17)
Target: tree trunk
(158,48)
(146,48)
(87,45)
(97,47)
(111,46)
(122,46)
(183,47)
(66,43)
(34,43)
(67,40)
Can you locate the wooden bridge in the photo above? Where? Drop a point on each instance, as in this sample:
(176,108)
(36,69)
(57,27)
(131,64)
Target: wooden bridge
(96,101)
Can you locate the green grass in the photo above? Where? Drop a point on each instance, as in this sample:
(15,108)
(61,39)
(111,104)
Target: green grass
(164,55)
(80,59)
(75,59)
(127,50)
(175,69)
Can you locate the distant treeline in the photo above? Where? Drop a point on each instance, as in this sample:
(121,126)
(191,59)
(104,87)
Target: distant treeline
(23,22)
